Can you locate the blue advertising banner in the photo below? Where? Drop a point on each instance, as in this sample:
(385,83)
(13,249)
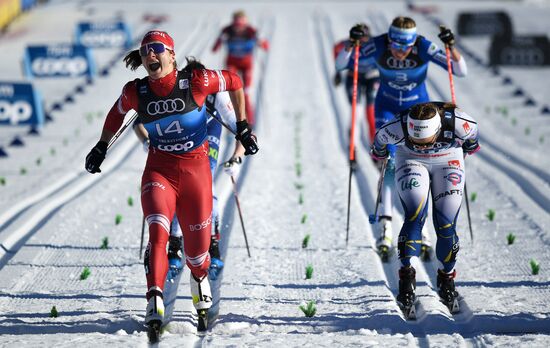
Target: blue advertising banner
(20,104)
(106,34)
(64,60)
(27,4)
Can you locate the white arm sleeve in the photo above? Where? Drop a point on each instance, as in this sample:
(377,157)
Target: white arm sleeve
(459,68)
(465,126)
(225,109)
(390,133)
(342,59)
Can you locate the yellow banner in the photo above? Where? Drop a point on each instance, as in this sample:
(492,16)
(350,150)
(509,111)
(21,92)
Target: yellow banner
(9,9)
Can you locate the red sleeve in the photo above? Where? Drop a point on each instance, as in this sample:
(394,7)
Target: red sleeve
(221,39)
(206,81)
(252,33)
(338,47)
(126,102)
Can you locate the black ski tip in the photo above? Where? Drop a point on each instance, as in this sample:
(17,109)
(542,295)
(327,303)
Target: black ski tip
(409,311)
(453,306)
(384,253)
(202,324)
(153,331)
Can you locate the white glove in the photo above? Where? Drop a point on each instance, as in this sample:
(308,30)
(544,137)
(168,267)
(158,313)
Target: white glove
(232,166)
(146,145)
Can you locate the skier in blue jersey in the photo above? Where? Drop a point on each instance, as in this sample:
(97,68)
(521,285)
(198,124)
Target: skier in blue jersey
(432,140)
(402,58)
(218,106)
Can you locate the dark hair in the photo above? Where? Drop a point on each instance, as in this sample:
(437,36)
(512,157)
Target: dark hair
(403,22)
(133,60)
(193,63)
(423,111)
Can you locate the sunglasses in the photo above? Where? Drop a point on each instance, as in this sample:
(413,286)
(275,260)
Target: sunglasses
(399,47)
(156,47)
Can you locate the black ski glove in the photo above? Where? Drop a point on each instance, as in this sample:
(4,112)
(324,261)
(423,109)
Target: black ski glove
(470,147)
(447,36)
(356,33)
(247,138)
(337,79)
(96,157)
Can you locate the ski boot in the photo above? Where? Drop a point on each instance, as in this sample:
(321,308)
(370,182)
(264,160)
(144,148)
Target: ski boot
(426,250)
(406,298)
(216,263)
(175,264)
(154,314)
(384,242)
(202,300)
(447,291)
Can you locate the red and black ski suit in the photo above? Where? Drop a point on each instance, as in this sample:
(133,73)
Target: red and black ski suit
(177,177)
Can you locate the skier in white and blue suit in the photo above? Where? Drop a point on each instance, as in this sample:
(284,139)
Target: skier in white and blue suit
(432,139)
(402,58)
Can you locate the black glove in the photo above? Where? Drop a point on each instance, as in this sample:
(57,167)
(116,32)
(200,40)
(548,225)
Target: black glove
(96,157)
(447,36)
(247,138)
(379,153)
(337,79)
(470,147)
(356,33)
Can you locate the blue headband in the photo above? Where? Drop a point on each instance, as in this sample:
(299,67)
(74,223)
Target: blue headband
(402,36)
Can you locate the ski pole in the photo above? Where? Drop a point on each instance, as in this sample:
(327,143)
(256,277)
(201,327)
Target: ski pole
(240,212)
(142,233)
(468,213)
(215,116)
(119,133)
(453,98)
(352,133)
(374,217)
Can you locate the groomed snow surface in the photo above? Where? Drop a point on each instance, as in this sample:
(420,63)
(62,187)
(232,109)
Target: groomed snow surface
(54,217)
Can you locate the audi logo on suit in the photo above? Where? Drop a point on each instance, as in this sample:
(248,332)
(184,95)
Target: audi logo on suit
(165,106)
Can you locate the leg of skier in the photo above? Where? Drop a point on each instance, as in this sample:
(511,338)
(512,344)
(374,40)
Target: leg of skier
(214,130)
(246,68)
(175,249)
(413,187)
(384,242)
(194,210)
(158,200)
(447,188)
